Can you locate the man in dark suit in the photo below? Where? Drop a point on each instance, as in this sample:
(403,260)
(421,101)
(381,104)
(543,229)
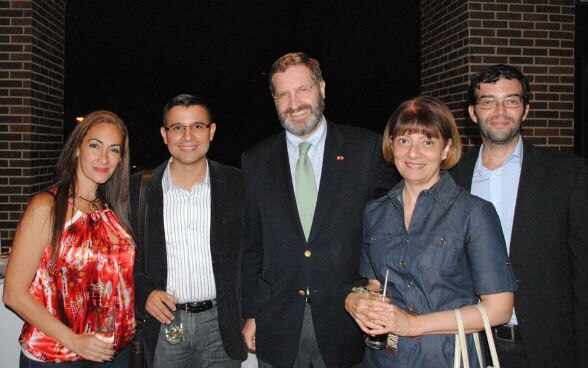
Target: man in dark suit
(306,189)
(187,269)
(541,197)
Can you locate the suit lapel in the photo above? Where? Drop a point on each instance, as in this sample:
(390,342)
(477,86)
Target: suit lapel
(463,173)
(281,178)
(527,194)
(333,167)
(217,203)
(528,197)
(156,243)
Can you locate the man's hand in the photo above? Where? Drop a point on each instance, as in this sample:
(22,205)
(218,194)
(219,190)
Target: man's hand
(249,334)
(161,306)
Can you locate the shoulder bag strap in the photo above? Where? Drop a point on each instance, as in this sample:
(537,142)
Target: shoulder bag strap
(489,337)
(142,215)
(478,346)
(460,343)
(461,354)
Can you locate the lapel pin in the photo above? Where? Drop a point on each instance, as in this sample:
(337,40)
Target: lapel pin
(340,158)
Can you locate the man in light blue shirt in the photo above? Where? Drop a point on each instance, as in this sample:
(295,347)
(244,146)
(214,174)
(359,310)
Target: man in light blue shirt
(499,186)
(541,197)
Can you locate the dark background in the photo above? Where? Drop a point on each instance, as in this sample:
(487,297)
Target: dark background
(131,56)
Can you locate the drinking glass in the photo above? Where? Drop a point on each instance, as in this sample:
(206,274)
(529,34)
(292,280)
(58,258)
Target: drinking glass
(105,312)
(174,332)
(379,342)
(105,325)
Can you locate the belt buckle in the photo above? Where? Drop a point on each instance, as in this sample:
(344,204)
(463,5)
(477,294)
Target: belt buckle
(500,331)
(512,332)
(196,307)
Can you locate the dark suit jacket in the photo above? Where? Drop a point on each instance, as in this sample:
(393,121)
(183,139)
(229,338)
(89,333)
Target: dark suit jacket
(226,225)
(276,269)
(549,254)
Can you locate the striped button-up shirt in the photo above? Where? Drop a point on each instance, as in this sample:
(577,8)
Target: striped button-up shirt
(186,218)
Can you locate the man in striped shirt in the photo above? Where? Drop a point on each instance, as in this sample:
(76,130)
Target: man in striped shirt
(186,270)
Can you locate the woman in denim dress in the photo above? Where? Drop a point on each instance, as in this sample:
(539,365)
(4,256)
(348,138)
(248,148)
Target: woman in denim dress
(440,247)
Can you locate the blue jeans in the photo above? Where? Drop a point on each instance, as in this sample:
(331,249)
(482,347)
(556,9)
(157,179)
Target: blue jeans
(122,359)
(201,346)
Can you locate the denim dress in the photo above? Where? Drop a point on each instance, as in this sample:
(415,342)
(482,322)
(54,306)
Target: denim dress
(452,252)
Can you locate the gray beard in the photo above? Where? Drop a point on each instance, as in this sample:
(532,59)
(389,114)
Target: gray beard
(310,125)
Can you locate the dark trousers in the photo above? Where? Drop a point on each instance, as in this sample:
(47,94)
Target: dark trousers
(308,351)
(511,354)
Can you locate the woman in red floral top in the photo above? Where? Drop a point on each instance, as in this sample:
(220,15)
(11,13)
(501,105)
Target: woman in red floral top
(70,274)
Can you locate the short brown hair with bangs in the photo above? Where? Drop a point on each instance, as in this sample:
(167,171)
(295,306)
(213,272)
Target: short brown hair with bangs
(426,115)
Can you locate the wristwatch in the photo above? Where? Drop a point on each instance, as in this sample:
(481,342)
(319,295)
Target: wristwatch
(359,289)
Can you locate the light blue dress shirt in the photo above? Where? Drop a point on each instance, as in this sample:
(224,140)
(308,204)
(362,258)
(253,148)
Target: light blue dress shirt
(315,153)
(500,186)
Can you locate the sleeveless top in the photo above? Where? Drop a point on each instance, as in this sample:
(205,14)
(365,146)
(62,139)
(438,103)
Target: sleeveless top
(92,279)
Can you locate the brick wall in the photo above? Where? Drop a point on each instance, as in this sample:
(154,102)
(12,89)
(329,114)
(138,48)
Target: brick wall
(459,37)
(31,102)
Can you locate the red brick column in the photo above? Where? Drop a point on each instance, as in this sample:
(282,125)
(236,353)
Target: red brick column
(31,102)
(459,37)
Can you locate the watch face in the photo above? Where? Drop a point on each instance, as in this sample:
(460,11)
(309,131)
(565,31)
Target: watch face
(359,289)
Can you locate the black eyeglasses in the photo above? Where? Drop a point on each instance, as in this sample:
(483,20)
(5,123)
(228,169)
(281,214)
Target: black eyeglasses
(178,129)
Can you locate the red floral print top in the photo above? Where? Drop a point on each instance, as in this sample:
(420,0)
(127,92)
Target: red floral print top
(91,280)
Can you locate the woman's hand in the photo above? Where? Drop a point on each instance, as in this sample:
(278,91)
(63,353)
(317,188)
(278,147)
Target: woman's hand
(384,317)
(90,347)
(375,316)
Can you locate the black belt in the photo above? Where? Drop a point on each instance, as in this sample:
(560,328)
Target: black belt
(510,333)
(196,307)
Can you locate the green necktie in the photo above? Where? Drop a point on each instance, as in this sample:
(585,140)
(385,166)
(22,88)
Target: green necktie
(305,188)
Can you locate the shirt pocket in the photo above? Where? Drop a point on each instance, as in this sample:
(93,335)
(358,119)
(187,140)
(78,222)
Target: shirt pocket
(384,250)
(384,242)
(441,252)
